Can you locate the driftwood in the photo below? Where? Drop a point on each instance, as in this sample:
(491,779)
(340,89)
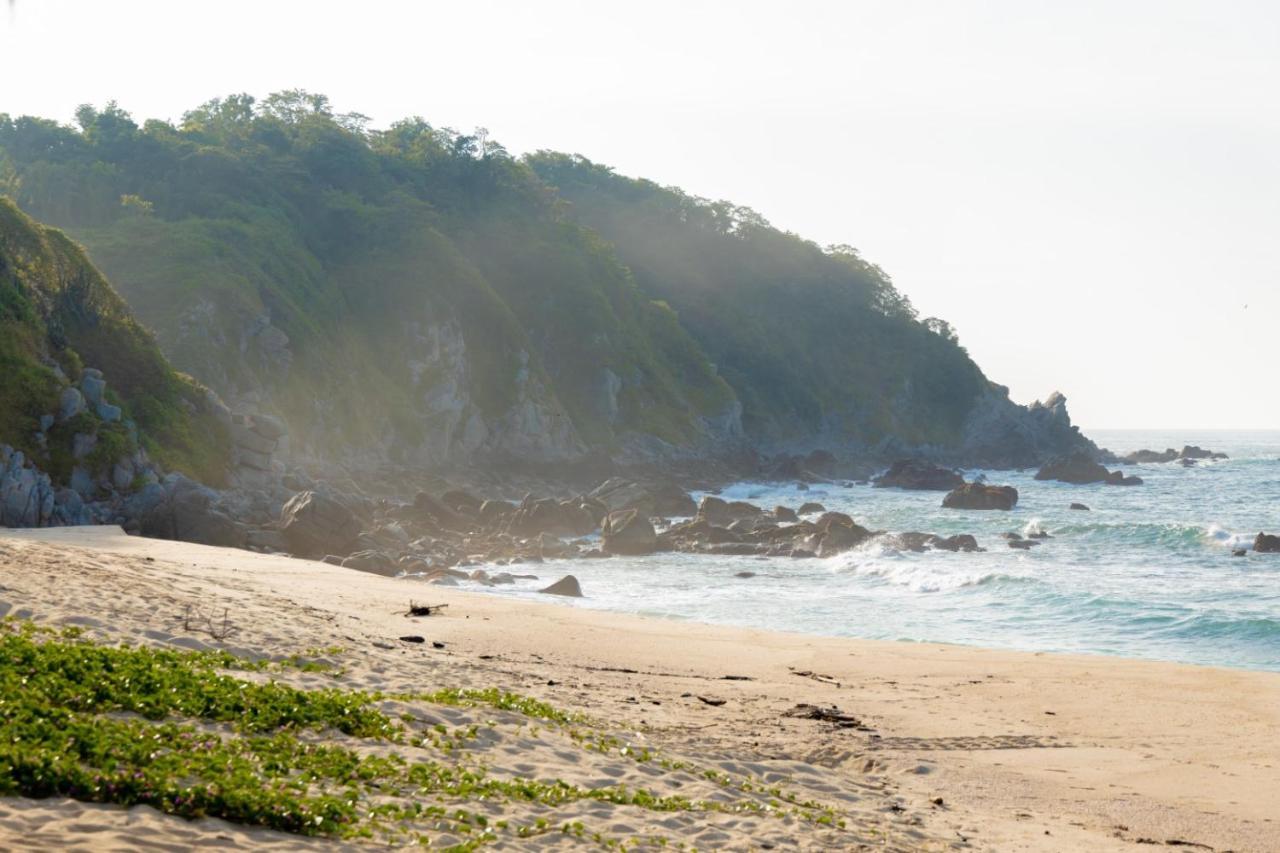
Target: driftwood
(424,609)
(805,711)
(816,676)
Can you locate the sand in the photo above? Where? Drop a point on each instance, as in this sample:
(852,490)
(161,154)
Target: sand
(960,747)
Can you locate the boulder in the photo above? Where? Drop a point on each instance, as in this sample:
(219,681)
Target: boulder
(1080,468)
(1077,506)
(960,542)
(269,427)
(840,537)
(783,513)
(722,513)
(1148,457)
(628,532)
(811,507)
(1266,544)
(918,475)
(495,512)
(70,404)
(981,496)
(183,510)
(548,515)
(315,524)
(567,586)
(93,388)
(462,502)
(651,499)
(1190,451)
(373,562)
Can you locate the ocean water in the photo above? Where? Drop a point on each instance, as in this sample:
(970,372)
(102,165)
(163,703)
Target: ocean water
(1147,573)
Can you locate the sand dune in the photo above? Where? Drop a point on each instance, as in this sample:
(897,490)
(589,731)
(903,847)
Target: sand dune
(957,747)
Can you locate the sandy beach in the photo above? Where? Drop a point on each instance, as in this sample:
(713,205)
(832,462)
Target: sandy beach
(955,747)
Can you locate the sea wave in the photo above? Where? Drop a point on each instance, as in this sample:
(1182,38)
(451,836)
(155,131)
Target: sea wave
(928,572)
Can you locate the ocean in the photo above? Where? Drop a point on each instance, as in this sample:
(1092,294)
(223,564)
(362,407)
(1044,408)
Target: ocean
(1148,572)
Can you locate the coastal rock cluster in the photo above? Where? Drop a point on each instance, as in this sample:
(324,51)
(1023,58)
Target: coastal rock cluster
(1082,468)
(1188,455)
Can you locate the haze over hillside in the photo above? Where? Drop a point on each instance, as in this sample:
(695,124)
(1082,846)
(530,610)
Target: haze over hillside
(420,295)
(1058,181)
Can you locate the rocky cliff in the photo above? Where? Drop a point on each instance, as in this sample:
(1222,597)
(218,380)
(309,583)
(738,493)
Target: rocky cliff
(75,440)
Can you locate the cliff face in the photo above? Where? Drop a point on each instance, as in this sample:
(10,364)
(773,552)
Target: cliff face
(71,433)
(418,297)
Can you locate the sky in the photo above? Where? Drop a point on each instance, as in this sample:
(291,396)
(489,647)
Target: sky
(1089,192)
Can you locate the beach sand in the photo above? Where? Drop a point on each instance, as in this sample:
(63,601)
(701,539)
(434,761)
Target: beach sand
(959,747)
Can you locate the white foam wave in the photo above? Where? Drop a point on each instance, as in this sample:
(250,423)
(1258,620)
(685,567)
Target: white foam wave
(928,572)
(1221,536)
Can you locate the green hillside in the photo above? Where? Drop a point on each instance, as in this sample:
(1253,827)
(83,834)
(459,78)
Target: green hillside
(420,293)
(57,315)
(812,340)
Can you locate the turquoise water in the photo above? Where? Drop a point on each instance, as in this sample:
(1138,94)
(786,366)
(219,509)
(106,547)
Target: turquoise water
(1147,573)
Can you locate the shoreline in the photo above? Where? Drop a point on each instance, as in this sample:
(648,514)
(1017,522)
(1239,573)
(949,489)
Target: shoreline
(1027,750)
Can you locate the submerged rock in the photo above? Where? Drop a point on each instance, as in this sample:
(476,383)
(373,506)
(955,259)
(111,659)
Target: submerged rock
(918,475)
(981,496)
(1078,506)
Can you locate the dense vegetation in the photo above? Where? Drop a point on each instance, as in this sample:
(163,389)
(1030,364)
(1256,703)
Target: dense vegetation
(201,734)
(813,340)
(630,310)
(57,313)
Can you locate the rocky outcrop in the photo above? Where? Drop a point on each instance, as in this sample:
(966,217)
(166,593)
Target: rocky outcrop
(1187,453)
(921,542)
(981,496)
(255,440)
(315,524)
(1266,544)
(918,474)
(1079,506)
(999,433)
(1081,468)
(180,508)
(27,496)
(721,513)
(628,532)
(664,500)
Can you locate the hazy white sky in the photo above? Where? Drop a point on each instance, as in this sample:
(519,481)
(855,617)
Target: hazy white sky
(1089,192)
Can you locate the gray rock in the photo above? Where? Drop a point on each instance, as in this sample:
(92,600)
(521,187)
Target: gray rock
(186,513)
(269,427)
(981,496)
(82,444)
(93,388)
(651,499)
(373,562)
(628,532)
(46,421)
(919,475)
(122,474)
(82,482)
(315,524)
(108,412)
(245,438)
(566,586)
